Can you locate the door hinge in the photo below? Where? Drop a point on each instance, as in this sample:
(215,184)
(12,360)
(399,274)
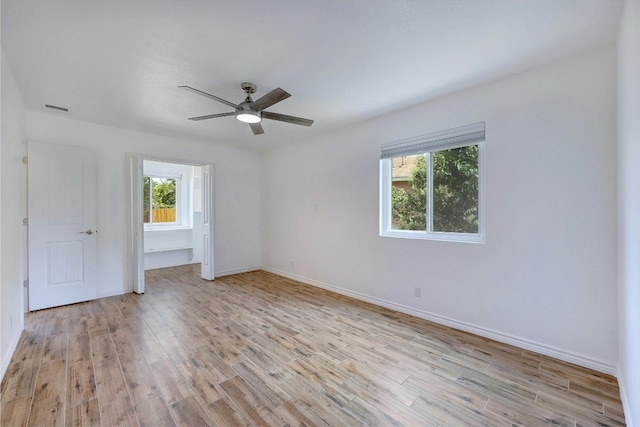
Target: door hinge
(25,221)
(25,160)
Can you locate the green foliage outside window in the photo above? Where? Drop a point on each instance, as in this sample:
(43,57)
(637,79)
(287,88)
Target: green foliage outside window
(159,193)
(455,193)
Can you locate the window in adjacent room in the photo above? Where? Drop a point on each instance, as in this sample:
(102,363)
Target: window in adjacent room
(160,195)
(431,186)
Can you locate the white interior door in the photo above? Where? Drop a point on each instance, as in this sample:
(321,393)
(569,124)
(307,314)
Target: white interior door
(207,268)
(62,225)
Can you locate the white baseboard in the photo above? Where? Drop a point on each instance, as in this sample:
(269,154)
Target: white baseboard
(238,271)
(525,344)
(12,349)
(626,404)
(113,292)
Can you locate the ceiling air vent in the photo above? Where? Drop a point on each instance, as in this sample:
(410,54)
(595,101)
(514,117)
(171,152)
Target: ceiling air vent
(55,107)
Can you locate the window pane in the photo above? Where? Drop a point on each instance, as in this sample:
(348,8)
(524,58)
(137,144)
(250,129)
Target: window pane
(146,201)
(455,190)
(163,200)
(409,193)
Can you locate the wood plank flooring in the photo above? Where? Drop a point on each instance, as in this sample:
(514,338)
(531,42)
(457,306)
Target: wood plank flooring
(259,349)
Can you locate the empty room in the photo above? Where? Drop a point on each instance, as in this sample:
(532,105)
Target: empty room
(335,213)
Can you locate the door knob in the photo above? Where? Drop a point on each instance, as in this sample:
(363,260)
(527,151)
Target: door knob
(89,232)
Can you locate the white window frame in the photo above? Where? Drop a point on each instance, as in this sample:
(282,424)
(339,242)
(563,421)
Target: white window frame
(164,225)
(427,144)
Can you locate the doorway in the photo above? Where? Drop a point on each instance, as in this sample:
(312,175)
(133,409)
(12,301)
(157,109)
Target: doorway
(170,215)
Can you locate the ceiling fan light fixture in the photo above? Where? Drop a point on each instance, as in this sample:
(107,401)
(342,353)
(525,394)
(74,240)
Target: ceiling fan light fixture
(248,116)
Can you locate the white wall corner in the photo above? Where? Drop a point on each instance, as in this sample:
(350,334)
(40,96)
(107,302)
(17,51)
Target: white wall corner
(624,398)
(12,348)
(628,192)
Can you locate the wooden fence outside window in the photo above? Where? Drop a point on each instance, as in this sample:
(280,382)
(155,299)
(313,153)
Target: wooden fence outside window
(161,215)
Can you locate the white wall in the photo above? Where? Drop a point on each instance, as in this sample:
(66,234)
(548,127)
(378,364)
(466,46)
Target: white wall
(169,258)
(168,248)
(629,210)
(544,279)
(237,191)
(13,202)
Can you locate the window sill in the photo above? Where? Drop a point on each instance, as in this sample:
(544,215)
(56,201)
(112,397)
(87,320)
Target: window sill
(166,228)
(446,237)
(178,248)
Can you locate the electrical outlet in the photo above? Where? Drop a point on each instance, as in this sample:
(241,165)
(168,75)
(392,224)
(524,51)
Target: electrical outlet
(292,264)
(417,292)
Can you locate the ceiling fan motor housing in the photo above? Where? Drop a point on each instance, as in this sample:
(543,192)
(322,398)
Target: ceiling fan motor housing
(248,88)
(245,113)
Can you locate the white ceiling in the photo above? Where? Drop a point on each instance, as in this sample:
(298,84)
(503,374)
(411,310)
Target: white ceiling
(119,63)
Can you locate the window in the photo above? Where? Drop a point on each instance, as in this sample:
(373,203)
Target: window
(431,186)
(160,195)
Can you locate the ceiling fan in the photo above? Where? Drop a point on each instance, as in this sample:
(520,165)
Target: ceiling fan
(250,111)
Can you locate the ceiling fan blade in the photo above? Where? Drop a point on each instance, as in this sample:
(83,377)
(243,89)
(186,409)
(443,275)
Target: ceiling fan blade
(208,95)
(211,116)
(287,119)
(256,128)
(269,99)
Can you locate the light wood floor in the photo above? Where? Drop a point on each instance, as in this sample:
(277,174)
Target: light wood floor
(259,349)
